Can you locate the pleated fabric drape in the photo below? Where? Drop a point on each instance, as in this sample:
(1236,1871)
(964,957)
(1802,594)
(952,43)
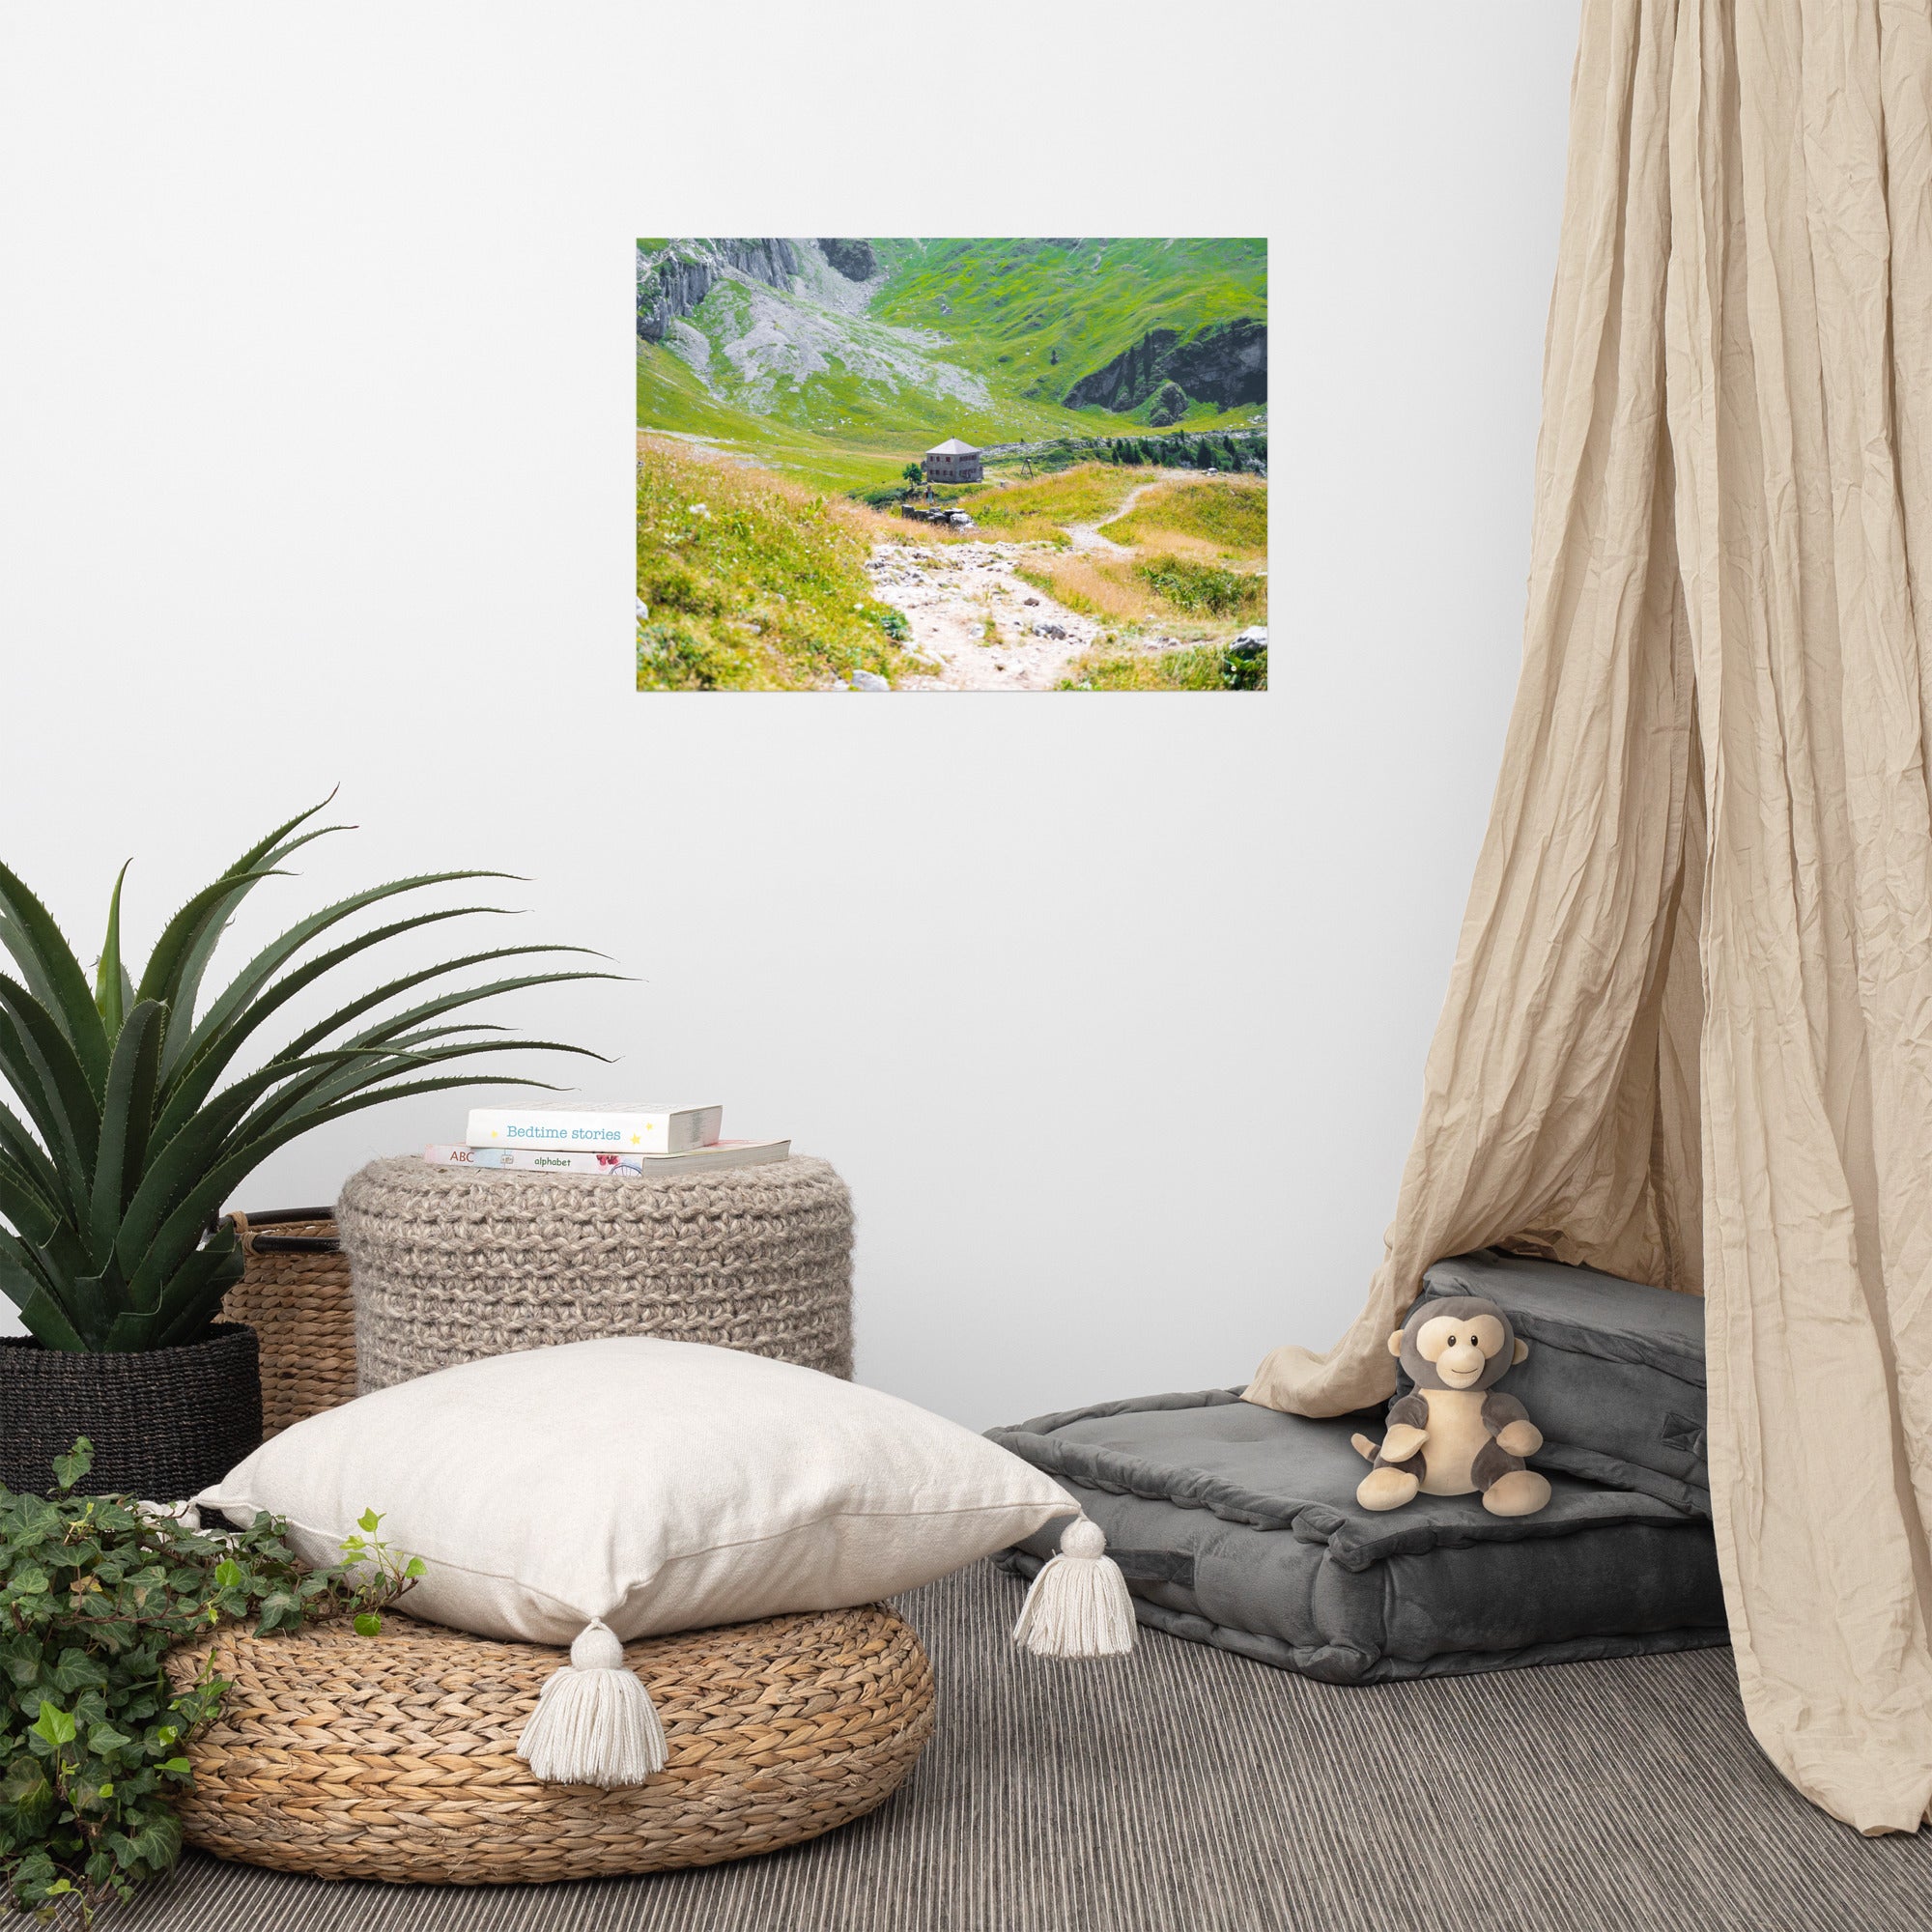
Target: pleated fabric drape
(1688,1029)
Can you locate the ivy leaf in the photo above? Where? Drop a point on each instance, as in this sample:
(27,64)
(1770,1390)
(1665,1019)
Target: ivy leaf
(24,1783)
(369,1521)
(75,1670)
(53,1724)
(415,1567)
(176,1767)
(21,1660)
(70,1468)
(368,1624)
(103,1739)
(228,1574)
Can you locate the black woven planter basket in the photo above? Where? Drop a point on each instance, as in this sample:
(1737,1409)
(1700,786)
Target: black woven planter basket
(164,1423)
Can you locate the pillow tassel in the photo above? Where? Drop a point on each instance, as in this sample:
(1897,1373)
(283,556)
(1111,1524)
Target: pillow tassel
(594,1722)
(1078,1605)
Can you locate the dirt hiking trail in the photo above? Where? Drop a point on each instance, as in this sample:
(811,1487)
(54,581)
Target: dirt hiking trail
(981,627)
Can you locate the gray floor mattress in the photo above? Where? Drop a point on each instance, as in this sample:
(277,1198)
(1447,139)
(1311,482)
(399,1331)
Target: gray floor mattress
(1237,1526)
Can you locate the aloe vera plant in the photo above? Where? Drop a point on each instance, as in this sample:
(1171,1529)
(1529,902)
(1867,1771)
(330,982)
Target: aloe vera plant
(124,1141)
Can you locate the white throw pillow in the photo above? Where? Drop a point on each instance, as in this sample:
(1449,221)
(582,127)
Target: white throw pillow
(646,1486)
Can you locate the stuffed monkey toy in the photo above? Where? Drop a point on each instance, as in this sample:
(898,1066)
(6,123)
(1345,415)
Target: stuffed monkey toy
(1456,1434)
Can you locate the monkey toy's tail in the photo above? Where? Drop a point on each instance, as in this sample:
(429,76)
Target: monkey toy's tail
(1365,1448)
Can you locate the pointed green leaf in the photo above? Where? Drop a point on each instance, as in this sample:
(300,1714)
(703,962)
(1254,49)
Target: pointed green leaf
(45,1322)
(267,963)
(74,1122)
(25,1283)
(111,976)
(446,1003)
(217,1038)
(18,1144)
(160,979)
(267,854)
(188,1150)
(127,1112)
(47,964)
(321,1090)
(25,1201)
(131,1332)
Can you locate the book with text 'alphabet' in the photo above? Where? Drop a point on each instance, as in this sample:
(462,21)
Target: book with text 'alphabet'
(556,1160)
(628,1130)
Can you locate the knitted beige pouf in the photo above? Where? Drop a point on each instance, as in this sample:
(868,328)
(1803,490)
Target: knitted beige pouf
(453,1264)
(394,1756)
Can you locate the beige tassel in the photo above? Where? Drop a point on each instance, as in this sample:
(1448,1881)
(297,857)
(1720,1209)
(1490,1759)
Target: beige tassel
(594,1722)
(1079,1604)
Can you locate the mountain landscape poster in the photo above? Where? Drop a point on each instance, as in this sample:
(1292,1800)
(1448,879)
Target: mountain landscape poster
(872,464)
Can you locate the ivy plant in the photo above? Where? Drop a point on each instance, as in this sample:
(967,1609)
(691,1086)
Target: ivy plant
(95,1591)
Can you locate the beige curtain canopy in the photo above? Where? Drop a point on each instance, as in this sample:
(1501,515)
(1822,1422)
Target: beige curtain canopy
(1689,1032)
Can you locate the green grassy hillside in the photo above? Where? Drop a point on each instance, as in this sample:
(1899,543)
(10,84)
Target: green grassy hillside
(842,381)
(1038,315)
(749,582)
(1229,513)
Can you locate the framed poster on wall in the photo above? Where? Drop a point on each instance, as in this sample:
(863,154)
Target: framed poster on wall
(875,463)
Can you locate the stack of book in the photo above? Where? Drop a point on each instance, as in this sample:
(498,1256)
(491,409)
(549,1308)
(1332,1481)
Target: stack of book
(603,1140)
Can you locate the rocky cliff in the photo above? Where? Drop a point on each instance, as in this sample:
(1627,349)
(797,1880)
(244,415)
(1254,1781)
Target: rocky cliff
(1225,364)
(673,280)
(855,259)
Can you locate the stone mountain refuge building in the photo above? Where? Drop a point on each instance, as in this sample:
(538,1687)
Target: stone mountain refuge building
(952,462)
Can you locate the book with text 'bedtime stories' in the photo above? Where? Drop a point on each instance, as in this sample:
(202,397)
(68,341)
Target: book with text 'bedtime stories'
(597,1129)
(542,1161)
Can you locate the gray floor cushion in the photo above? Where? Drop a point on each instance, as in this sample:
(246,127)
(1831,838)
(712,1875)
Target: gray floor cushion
(1616,1374)
(1237,1526)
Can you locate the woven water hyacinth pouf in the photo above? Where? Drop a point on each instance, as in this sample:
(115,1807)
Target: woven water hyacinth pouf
(394,1756)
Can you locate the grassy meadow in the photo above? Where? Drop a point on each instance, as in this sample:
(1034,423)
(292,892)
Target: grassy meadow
(1039,510)
(1226,515)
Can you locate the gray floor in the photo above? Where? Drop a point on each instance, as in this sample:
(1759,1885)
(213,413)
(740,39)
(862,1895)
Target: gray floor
(1188,1791)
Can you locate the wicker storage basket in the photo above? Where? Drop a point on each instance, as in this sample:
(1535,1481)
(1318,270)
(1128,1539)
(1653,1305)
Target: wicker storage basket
(296,1296)
(394,1756)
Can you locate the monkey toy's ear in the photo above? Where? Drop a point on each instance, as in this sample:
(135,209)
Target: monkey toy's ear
(1395,1343)
(1521,1353)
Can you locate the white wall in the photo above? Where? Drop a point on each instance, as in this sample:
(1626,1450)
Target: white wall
(315,466)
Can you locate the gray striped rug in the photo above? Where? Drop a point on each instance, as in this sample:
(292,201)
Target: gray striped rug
(1189,1791)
